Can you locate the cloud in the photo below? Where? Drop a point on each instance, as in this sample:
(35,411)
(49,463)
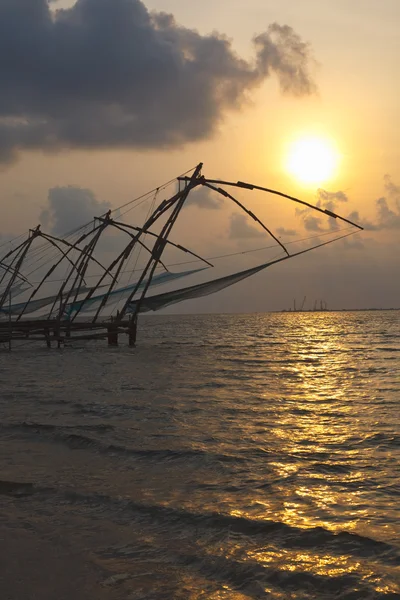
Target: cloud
(280,49)
(356,218)
(240,228)
(70,207)
(108,73)
(288,232)
(312,223)
(203,197)
(330,200)
(392,190)
(389,218)
(387,209)
(327,201)
(353,243)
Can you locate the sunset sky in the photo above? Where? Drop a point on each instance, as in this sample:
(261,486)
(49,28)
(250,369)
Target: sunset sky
(117,96)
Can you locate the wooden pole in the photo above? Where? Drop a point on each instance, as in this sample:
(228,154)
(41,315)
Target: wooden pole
(9,323)
(252,215)
(178,200)
(22,254)
(47,336)
(250,186)
(132,330)
(58,327)
(112,334)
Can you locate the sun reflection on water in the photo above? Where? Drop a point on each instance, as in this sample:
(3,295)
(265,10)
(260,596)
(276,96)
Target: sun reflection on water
(258,460)
(321,483)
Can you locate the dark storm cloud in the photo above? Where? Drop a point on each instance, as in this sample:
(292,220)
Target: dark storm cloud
(241,228)
(107,73)
(70,207)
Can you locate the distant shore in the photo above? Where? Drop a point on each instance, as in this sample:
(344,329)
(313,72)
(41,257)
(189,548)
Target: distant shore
(336,310)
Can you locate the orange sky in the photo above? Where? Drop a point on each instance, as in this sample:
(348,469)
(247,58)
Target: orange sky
(356,46)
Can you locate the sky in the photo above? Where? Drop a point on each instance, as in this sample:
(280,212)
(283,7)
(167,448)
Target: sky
(103,100)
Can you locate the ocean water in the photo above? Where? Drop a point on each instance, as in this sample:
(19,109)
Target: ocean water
(225,457)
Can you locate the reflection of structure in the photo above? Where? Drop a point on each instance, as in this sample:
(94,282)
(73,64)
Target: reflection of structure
(75,309)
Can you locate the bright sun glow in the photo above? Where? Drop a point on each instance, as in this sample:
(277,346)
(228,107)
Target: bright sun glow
(312,160)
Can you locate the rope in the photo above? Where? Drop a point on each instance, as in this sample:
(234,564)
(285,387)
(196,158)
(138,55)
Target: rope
(222,256)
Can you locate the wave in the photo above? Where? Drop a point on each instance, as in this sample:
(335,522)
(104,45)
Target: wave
(44,427)
(380,439)
(328,468)
(203,546)
(387,349)
(16,489)
(250,577)
(78,441)
(275,532)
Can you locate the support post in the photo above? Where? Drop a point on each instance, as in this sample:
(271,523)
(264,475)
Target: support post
(57,334)
(47,336)
(132,331)
(9,323)
(112,334)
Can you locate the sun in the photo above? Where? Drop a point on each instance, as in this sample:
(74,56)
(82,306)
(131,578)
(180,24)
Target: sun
(312,160)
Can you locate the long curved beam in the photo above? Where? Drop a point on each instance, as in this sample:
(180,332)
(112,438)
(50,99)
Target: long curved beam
(19,276)
(55,245)
(176,203)
(179,246)
(251,186)
(17,251)
(127,253)
(133,237)
(114,263)
(22,252)
(71,247)
(82,251)
(251,214)
(83,266)
(85,254)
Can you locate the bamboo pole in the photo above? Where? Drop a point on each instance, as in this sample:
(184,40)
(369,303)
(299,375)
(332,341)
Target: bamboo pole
(157,213)
(252,215)
(250,186)
(33,234)
(179,246)
(52,269)
(10,323)
(179,200)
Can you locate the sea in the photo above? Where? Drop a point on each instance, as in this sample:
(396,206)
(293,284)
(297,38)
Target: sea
(225,457)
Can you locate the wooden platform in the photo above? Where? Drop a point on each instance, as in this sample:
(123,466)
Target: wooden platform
(60,331)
